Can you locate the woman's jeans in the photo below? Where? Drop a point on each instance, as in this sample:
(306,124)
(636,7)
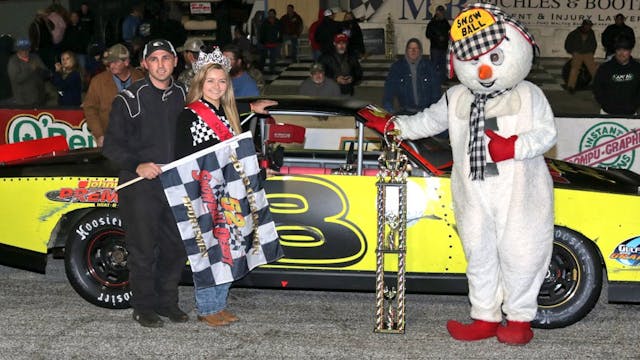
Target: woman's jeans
(211,300)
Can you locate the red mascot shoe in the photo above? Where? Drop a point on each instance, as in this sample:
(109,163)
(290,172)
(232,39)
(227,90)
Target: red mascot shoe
(477,330)
(515,333)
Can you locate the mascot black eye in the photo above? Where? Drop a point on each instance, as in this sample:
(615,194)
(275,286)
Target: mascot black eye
(497,57)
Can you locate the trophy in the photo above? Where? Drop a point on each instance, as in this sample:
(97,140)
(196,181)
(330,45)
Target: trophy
(391,205)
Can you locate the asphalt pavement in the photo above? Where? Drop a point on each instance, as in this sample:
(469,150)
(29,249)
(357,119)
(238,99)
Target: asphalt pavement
(42,317)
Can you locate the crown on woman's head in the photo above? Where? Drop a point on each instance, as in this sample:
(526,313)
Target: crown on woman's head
(215,57)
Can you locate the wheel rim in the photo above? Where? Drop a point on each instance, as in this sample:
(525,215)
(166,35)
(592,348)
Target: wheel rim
(107,259)
(562,279)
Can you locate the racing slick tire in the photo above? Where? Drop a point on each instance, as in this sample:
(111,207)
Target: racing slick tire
(96,259)
(573,283)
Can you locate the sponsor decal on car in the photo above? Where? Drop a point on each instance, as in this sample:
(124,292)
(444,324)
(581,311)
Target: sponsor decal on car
(25,126)
(627,252)
(96,191)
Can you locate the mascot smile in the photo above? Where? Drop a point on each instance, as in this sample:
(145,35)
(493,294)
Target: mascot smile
(500,125)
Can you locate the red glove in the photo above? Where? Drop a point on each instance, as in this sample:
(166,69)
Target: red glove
(501,148)
(379,125)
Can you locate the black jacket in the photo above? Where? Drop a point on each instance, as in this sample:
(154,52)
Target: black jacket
(611,33)
(142,126)
(345,64)
(438,33)
(617,87)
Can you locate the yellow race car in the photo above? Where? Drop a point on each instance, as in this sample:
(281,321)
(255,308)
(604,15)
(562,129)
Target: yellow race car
(324,203)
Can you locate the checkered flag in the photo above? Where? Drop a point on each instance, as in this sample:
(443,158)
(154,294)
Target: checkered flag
(221,211)
(364,8)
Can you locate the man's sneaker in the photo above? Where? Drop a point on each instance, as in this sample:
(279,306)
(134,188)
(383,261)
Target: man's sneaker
(173,313)
(147,319)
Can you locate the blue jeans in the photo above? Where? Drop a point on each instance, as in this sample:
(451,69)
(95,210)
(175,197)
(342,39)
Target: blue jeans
(211,300)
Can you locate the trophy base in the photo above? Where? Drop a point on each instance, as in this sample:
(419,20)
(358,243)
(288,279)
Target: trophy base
(389,331)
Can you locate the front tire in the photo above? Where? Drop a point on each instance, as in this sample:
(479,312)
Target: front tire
(573,283)
(96,259)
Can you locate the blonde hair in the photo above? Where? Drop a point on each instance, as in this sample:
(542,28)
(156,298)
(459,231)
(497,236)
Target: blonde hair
(227,101)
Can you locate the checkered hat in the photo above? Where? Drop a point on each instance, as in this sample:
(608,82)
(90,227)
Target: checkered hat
(478,29)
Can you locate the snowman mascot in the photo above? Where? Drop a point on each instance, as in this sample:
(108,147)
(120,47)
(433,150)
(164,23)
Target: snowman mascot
(499,126)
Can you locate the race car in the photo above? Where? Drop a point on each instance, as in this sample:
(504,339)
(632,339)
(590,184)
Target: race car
(323,199)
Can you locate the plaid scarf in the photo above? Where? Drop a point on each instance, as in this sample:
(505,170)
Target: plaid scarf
(477,158)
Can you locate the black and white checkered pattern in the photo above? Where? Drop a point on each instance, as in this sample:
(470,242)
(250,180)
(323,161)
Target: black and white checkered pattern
(225,181)
(477,157)
(201,132)
(364,8)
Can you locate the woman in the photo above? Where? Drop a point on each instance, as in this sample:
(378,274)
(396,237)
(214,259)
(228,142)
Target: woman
(68,80)
(211,116)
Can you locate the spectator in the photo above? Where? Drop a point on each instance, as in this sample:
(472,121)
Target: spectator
(611,33)
(27,74)
(138,141)
(76,39)
(190,51)
(256,25)
(438,34)
(342,67)
(316,49)
(87,20)
(291,30)
(352,29)
(326,31)
(41,39)
(131,24)
(94,64)
(243,43)
(581,44)
(318,85)
(243,84)
(616,85)
(57,15)
(68,80)
(413,81)
(6,50)
(271,39)
(104,87)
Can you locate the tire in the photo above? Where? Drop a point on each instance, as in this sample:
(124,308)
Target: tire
(96,259)
(573,283)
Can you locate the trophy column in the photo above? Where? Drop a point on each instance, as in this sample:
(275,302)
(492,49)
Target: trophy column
(391,241)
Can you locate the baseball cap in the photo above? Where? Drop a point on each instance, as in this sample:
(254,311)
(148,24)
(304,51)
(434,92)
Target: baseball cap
(23,44)
(193,45)
(316,67)
(115,53)
(340,38)
(158,44)
(587,22)
(328,12)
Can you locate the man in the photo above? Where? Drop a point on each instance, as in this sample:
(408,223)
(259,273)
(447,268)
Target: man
(104,87)
(243,84)
(339,65)
(318,85)
(611,33)
(140,138)
(270,39)
(190,52)
(131,23)
(413,81)
(27,74)
(291,30)
(327,29)
(616,85)
(581,44)
(438,34)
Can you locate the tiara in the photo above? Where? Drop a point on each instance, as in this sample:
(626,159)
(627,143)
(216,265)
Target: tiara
(215,57)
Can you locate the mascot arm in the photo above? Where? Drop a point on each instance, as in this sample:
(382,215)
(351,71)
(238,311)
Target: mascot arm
(431,121)
(543,133)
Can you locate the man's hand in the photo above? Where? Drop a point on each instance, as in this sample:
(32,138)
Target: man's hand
(148,170)
(259,106)
(344,80)
(501,148)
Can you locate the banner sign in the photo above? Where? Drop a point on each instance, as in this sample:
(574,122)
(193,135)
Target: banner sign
(28,124)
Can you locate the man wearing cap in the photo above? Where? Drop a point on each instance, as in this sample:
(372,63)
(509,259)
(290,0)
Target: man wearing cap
(104,87)
(27,74)
(581,44)
(140,138)
(616,85)
(318,85)
(611,33)
(190,51)
(412,81)
(326,31)
(341,66)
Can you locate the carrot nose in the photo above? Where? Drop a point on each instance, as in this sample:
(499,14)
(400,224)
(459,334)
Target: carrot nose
(485,72)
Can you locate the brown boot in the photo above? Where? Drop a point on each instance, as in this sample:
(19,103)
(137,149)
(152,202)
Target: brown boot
(213,319)
(229,316)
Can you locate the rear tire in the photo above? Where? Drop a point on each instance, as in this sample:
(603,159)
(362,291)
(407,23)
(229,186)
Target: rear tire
(573,283)
(96,259)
